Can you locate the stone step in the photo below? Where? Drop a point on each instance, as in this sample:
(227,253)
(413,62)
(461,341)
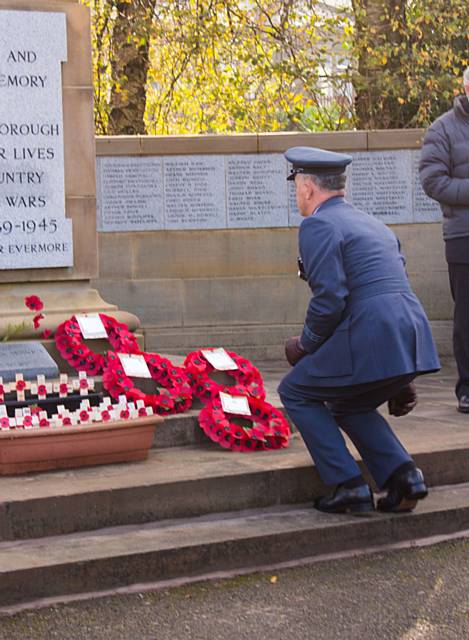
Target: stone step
(253,341)
(189,481)
(183,429)
(436,408)
(119,557)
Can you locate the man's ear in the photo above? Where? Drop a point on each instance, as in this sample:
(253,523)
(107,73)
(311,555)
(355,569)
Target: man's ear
(310,187)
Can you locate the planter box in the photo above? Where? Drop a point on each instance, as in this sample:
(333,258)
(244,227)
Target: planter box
(39,449)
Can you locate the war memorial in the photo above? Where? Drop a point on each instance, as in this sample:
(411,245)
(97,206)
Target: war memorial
(147,285)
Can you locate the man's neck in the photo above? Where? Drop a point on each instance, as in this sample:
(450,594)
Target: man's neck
(324,196)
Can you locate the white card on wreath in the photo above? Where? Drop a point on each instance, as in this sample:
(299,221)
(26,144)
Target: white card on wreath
(134,365)
(91,326)
(235,404)
(219,359)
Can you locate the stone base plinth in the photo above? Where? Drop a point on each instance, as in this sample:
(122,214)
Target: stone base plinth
(61,300)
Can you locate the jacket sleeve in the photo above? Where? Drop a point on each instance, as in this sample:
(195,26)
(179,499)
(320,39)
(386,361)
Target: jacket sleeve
(321,252)
(435,169)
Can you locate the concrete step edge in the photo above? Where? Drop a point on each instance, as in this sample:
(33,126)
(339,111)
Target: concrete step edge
(274,566)
(206,482)
(117,557)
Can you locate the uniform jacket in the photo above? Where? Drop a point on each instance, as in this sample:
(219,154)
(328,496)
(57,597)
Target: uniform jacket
(363,323)
(444,167)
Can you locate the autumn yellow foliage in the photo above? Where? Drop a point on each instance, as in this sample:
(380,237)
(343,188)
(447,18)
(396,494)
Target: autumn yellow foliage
(220,66)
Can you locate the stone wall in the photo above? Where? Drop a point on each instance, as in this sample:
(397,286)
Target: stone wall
(238,287)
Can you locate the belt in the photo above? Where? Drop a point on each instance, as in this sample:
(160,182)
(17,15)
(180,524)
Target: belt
(378,288)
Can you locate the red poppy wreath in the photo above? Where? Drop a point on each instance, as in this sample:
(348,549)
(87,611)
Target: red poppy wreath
(175,396)
(203,387)
(269,429)
(69,342)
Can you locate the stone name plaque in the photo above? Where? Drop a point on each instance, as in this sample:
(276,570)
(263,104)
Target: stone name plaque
(29,358)
(294,216)
(247,191)
(194,192)
(33,229)
(425,209)
(130,194)
(379,183)
(256,191)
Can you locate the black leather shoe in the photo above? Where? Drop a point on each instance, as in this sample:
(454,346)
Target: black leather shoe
(358,500)
(463,404)
(404,492)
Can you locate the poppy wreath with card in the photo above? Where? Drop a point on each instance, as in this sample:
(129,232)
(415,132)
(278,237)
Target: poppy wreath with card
(174,396)
(70,343)
(246,376)
(268,428)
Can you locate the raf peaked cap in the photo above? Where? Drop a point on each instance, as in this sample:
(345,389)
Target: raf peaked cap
(316,161)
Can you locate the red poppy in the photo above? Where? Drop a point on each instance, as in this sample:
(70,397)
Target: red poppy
(37,320)
(27,421)
(206,389)
(43,422)
(42,390)
(124,415)
(34,303)
(174,397)
(66,421)
(5,423)
(63,388)
(84,383)
(46,334)
(269,429)
(105,416)
(84,416)
(20,385)
(70,344)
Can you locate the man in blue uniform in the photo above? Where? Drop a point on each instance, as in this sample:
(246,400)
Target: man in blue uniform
(365,338)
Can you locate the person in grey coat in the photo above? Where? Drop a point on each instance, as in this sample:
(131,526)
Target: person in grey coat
(444,174)
(364,340)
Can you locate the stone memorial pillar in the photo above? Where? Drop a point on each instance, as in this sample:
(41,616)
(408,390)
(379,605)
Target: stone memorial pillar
(48,237)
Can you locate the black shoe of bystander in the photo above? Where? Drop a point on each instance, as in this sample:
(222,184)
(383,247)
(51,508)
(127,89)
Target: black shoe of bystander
(463,404)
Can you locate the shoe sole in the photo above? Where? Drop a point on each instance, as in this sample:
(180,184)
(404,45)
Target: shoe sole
(405,505)
(363,510)
(409,502)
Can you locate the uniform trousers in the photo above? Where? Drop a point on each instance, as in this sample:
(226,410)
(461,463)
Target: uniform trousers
(320,413)
(459,282)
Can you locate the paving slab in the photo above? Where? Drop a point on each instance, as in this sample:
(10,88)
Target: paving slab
(183,548)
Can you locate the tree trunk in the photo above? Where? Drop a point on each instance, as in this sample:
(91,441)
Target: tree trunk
(130,51)
(380,41)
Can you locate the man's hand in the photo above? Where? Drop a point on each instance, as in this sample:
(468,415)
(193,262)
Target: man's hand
(404,401)
(293,350)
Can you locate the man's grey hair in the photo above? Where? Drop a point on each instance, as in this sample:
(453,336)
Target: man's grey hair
(329,181)
(466,77)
